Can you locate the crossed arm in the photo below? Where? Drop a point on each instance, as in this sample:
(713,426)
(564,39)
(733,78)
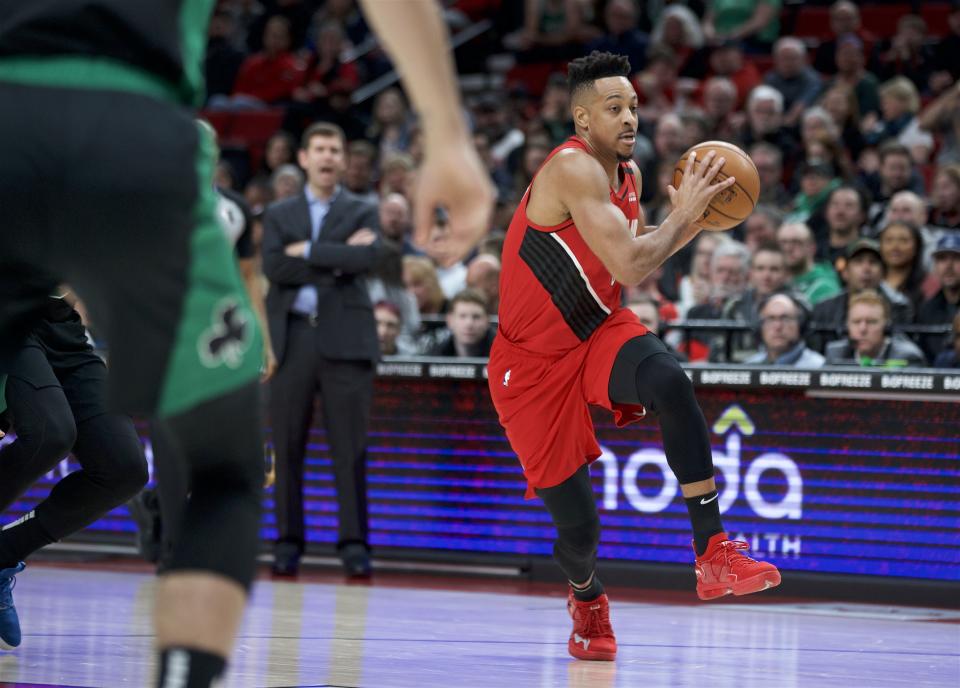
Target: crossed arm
(301,262)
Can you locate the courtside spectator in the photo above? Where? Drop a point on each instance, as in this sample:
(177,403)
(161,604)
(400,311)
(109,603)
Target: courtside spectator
(782,322)
(867,342)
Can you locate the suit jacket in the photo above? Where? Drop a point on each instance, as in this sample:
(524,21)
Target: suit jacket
(337,270)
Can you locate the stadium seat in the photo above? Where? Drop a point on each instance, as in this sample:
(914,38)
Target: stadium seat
(935,14)
(812,22)
(534,75)
(881,20)
(255,127)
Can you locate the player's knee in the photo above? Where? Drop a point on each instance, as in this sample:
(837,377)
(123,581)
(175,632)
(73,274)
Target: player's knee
(235,504)
(671,388)
(231,483)
(115,454)
(56,437)
(130,474)
(579,541)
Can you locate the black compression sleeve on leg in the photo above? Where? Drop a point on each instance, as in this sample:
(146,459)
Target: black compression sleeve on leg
(222,443)
(573,509)
(45,432)
(113,468)
(645,373)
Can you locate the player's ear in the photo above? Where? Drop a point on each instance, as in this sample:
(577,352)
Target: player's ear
(581,117)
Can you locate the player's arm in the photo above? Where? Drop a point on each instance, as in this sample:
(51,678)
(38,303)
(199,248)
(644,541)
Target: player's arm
(250,272)
(452,175)
(586,195)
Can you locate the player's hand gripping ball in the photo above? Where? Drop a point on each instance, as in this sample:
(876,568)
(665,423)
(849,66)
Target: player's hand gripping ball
(733,205)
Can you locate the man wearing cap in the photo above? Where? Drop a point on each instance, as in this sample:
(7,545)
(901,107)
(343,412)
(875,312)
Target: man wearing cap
(941,308)
(817,180)
(864,269)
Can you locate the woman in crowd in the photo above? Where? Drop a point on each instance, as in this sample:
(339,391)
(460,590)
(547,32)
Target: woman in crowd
(390,128)
(901,247)
(420,277)
(678,29)
(841,103)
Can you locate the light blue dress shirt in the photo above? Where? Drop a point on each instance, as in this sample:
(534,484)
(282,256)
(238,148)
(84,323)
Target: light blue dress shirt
(306,301)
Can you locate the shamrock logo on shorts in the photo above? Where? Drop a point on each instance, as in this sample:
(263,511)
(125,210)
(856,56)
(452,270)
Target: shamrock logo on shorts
(228,337)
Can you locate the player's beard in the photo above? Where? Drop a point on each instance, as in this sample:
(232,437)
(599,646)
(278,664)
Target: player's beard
(625,157)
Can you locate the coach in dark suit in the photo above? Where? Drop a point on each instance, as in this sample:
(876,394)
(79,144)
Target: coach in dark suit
(317,248)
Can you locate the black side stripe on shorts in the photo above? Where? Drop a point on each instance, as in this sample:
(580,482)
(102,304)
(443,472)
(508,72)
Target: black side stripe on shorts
(562,276)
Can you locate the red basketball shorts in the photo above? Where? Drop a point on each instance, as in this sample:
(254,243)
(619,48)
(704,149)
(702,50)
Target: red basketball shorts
(543,402)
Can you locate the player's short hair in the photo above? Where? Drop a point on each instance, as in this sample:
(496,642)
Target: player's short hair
(582,72)
(326,129)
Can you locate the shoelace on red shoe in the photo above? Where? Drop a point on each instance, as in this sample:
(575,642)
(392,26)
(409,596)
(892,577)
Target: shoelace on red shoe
(731,553)
(594,623)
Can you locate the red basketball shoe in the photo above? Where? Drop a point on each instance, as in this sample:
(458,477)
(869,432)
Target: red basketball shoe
(723,570)
(592,636)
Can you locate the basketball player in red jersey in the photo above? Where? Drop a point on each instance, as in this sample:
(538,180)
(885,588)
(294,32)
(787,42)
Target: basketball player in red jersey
(564,342)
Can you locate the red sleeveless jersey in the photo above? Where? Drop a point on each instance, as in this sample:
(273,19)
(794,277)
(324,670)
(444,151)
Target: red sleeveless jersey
(554,291)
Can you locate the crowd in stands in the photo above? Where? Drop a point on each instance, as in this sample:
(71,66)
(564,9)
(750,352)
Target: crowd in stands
(851,257)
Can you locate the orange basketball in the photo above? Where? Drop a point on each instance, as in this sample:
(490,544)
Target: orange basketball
(731,206)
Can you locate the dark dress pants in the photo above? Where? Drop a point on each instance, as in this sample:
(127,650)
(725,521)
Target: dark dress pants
(345,390)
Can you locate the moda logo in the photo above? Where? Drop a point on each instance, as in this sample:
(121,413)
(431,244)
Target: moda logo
(738,477)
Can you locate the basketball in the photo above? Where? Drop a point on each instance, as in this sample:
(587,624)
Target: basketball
(731,206)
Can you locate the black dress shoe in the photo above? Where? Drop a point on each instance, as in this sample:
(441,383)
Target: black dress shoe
(356,561)
(286,559)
